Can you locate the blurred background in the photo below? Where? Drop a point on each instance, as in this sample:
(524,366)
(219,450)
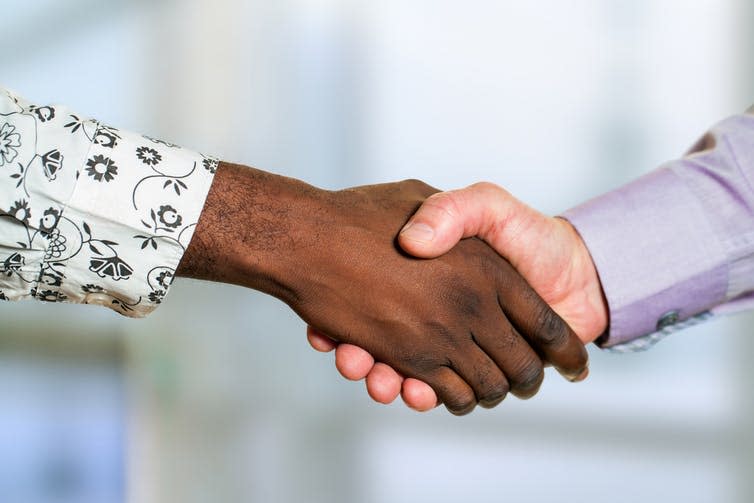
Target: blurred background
(217,396)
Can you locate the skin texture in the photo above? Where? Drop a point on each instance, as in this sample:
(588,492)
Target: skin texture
(465,323)
(546,251)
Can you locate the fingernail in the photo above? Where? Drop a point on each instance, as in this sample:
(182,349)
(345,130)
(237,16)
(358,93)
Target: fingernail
(418,232)
(582,376)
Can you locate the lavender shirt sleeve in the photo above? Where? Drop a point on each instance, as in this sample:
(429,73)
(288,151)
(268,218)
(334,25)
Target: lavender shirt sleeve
(677,244)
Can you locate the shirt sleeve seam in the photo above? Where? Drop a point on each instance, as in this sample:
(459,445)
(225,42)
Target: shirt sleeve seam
(63,209)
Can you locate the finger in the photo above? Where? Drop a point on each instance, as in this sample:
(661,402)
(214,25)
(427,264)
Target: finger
(522,366)
(418,395)
(484,210)
(453,391)
(447,217)
(482,374)
(546,332)
(383,383)
(319,341)
(353,362)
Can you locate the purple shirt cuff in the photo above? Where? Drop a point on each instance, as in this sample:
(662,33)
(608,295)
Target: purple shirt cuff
(678,241)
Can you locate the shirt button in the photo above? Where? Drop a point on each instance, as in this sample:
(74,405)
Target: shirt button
(668,319)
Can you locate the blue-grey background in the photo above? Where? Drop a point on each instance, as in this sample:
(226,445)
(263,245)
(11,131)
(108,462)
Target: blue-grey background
(217,396)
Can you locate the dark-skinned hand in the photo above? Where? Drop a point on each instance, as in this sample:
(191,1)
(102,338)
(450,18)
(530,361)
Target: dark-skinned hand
(466,323)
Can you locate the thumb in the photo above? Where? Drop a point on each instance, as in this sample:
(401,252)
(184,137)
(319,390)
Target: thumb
(447,217)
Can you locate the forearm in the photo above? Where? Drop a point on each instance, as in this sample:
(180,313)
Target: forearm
(679,241)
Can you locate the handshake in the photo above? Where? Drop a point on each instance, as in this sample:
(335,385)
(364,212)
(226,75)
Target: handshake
(454,298)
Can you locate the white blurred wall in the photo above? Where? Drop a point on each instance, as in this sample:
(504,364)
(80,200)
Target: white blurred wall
(557,101)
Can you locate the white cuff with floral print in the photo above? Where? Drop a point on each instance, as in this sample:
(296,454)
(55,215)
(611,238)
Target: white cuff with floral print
(92,214)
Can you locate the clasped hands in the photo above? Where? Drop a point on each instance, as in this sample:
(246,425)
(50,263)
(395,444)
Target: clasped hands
(547,252)
(433,311)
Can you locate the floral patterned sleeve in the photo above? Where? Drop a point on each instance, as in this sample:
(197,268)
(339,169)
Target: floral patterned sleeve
(92,214)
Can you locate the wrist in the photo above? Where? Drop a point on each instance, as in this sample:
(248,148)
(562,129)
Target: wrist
(251,230)
(588,281)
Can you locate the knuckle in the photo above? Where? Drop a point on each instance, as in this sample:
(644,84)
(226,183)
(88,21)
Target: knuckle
(495,395)
(467,302)
(487,188)
(460,403)
(507,341)
(489,263)
(551,330)
(461,302)
(418,364)
(490,384)
(415,182)
(419,186)
(529,379)
(483,186)
(444,202)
